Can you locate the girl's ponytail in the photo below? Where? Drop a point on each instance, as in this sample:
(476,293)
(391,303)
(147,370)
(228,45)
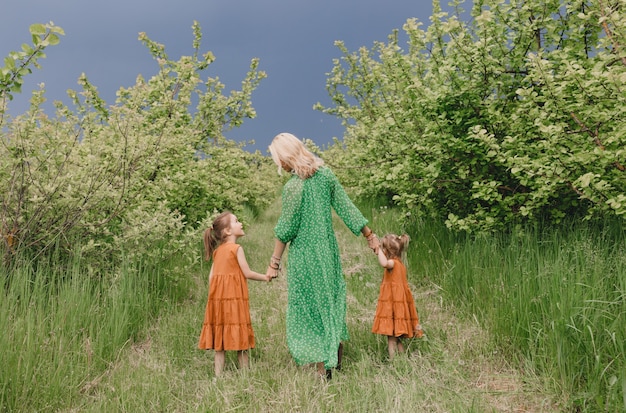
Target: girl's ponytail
(215,234)
(209,243)
(395,245)
(404,241)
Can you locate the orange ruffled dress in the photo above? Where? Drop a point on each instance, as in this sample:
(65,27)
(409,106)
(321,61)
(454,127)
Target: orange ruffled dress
(396,315)
(227,324)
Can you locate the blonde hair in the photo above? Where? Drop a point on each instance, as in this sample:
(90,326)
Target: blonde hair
(289,150)
(214,235)
(394,245)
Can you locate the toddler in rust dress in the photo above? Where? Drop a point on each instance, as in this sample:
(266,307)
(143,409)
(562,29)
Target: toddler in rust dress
(396,316)
(227,324)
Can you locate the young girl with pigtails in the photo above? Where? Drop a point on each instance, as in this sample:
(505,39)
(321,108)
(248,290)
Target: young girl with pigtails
(396,316)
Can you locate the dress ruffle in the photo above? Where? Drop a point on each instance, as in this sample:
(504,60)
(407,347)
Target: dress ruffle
(227,324)
(396,314)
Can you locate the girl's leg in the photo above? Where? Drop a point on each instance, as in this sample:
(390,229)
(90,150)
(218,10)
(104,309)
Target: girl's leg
(242,355)
(220,359)
(400,346)
(321,370)
(392,346)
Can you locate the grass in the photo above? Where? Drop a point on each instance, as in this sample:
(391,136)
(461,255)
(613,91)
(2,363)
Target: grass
(557,300)
(62,328)
(453,370)
(490,339)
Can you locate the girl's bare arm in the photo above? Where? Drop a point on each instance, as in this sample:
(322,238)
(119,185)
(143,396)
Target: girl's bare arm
(383,261)
(245,268)
(210,274)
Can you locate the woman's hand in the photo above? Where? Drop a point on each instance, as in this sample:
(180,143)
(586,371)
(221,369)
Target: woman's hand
(372,240)
(272,272)
(373,243)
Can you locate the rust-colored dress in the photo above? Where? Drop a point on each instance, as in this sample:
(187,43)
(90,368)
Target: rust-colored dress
(396,315)
(227,324)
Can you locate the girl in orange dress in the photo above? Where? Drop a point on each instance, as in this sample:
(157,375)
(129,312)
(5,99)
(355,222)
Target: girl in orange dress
(396,316)
(227,323)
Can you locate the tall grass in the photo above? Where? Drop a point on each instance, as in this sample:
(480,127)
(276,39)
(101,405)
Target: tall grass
(63,326)
(555,300)
(443,373)
(527,321)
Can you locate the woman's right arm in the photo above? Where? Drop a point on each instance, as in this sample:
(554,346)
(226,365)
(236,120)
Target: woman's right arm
(274,267)
(279,248)
(288,223)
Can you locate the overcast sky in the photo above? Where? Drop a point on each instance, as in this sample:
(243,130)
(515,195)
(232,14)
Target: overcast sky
(294,41)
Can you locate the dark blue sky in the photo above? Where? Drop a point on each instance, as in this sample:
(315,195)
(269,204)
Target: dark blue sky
(294,41)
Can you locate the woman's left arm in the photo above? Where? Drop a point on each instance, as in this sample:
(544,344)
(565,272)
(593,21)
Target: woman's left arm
(350,214)
(344,207)
(372,239)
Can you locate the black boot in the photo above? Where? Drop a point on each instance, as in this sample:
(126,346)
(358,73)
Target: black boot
(339,356)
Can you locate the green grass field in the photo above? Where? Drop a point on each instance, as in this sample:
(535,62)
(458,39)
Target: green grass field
(517,323)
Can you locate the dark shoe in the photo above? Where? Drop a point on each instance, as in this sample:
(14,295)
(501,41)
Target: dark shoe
(339,356)
(329,374)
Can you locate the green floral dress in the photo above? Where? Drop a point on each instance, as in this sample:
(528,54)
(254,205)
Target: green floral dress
(316,289)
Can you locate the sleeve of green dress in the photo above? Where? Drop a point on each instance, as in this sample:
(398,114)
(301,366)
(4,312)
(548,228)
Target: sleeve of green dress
(288,223)
(344,207)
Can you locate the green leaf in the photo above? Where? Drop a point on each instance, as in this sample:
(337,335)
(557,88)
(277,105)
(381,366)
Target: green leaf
(9,63)
(53,39)
(586,179)
(37,29)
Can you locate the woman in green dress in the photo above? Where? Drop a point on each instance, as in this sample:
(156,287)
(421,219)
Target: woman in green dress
(316,289)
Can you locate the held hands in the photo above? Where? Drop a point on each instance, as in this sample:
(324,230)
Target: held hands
(272,273)
(373,243)
(273,270)
(372,239)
